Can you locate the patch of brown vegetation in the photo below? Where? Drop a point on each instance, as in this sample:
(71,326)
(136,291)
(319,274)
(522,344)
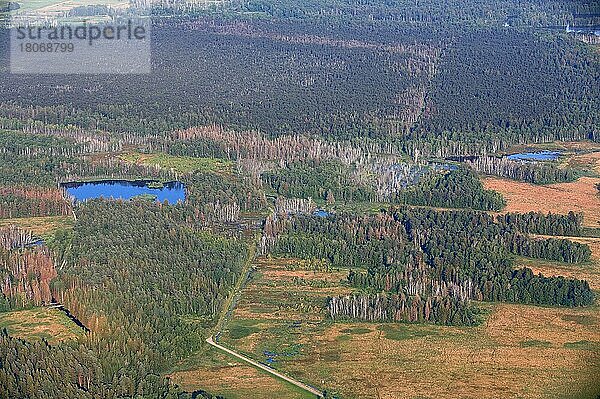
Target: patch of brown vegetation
(579,196)
(40,226)
(589,162)
(221,374)
(511,324)
(519,353)
(231,377)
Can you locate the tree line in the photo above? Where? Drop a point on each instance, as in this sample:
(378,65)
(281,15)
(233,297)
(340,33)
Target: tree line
(540,223)
(434,254)
(459,188)
(531,172)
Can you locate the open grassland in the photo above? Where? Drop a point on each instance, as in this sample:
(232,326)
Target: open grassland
(519,352)
(179,164)
(43,227)
(578,196)
(50,324)
(288,289)
(222,374)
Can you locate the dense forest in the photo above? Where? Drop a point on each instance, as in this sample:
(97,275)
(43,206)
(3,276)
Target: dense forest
(23,202)
(456,189)
(146,283)
(548,224)
(395,79)
(491,107)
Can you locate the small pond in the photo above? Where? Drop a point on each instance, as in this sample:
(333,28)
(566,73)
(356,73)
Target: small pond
(172,192)
(321,213)
(535,156)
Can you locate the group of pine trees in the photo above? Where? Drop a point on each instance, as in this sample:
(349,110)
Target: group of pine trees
(18,202)
(459,188)
(540,223)
(326,180)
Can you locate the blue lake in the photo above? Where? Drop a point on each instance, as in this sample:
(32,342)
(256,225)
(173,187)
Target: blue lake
(535,156)
(37,243)
(171,192)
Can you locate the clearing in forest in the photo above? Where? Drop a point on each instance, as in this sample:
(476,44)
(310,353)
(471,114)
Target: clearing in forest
(180,164)
(519,352)
(578,196)
(50,324)
(303,299)
(588,163)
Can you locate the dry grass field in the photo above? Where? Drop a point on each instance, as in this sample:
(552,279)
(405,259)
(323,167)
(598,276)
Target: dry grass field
(51,324)
(222,374)
(519,352)
(579,196)
(588,162)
